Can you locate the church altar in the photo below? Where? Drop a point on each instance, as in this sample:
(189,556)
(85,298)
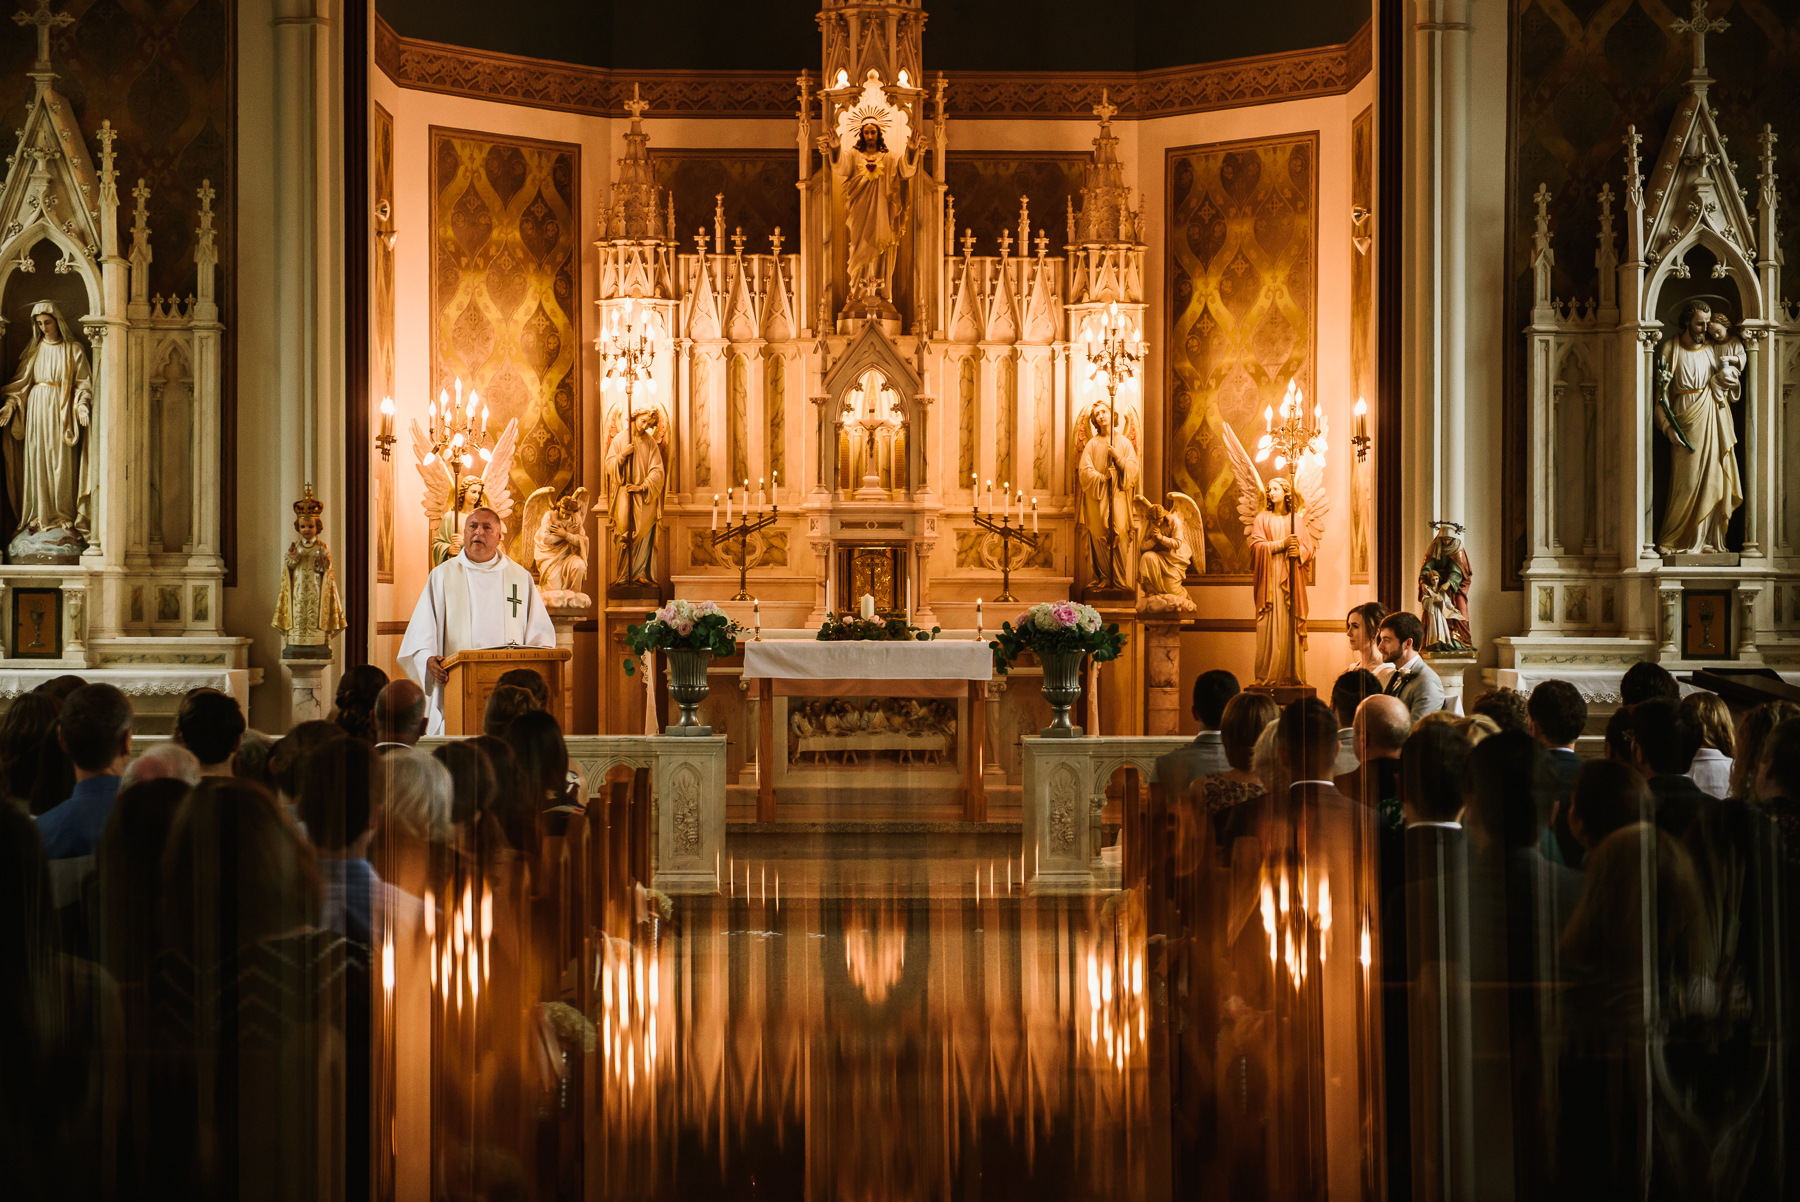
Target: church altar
(895,676)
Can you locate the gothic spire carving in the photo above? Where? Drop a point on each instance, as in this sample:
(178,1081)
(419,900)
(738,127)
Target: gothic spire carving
(1105,200)
(636,213)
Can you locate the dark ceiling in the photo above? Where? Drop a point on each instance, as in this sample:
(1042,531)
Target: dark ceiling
(960,35)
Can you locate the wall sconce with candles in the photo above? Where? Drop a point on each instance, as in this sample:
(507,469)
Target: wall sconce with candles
(385,439)
(384,229)
(1359,429)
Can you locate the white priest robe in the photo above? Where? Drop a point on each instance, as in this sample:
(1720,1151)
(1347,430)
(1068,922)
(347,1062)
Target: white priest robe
(469,606)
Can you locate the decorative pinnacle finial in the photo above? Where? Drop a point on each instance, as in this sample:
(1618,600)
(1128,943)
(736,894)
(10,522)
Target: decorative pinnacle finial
(1700,25)
(1106,109)
(45,20)
(636,105)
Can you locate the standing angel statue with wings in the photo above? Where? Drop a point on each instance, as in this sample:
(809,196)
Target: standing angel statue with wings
(1286,523)
(1171,536)
(453,489)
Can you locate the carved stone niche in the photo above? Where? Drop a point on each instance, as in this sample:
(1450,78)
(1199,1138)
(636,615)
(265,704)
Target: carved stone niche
(872,425)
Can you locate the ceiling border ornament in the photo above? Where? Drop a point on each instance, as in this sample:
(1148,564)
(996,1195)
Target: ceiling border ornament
(973,95)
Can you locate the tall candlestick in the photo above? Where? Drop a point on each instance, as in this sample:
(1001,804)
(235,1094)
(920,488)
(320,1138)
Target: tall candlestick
(715,520)
(909,600)
(978,617)
(1034,525)
(728,506)
(761,494)
(756,616)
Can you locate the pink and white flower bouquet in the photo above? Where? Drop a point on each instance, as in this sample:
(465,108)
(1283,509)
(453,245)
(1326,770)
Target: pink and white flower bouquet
(1051,627)
(683,624)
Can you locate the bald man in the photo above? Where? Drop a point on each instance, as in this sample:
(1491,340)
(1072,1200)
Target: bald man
(399,714)
(1382,723)
(478,598)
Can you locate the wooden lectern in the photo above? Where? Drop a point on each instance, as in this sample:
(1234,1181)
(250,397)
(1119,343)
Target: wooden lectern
(473,675)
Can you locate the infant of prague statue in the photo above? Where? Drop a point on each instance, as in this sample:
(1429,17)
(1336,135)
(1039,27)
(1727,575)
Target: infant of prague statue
(1699,378)
(47,409)
(309,612)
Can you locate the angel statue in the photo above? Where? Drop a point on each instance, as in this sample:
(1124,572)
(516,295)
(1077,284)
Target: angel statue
(1170,538)
(1286,523)
(449,498)
(875,156)
(634,492)
(559,545)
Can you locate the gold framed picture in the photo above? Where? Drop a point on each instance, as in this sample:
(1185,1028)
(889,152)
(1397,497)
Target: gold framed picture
(1706,624)
(37,631)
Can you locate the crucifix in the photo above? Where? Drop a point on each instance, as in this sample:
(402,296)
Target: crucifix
(515,600)
(1699,25)
(45,20)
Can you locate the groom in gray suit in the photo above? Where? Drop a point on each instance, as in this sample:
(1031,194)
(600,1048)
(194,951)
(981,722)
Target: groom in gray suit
(1413,681)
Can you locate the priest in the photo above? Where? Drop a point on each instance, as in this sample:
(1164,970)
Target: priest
(478,598)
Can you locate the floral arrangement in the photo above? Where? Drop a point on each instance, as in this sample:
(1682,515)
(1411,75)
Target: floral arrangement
(850,628)
(1053,626)
(697,625)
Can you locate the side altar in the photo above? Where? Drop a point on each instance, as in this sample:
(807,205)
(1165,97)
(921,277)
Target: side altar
(111,421)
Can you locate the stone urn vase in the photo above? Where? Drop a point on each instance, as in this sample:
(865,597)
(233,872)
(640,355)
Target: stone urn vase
(1062,689)
(688,688)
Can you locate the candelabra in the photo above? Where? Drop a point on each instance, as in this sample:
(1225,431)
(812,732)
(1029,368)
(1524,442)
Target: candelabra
(742,530)
(627,344)
(1008,535)
(1297,435)
(451,427)
(1114,352)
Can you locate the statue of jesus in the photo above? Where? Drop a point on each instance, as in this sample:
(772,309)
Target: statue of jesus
(1697,383)
(47,408)
(873,180)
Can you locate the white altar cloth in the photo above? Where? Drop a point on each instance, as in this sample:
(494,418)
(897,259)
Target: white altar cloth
(812,668)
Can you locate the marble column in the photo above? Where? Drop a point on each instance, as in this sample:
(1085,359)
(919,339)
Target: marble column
(306,689)
(1437,155)
(1162,676)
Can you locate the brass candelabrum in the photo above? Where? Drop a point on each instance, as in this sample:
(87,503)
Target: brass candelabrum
(1008,534)
(742,530)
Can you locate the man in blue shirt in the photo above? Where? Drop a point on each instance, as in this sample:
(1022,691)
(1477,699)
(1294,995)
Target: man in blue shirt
(95,732)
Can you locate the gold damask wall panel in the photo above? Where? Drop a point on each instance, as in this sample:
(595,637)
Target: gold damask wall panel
(504,287)
(1243,284)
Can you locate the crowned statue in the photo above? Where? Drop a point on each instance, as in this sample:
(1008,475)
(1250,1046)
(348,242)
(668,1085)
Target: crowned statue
(309,611)
(874,160)
(48,409)
(1699,378)
(1285,521)
(1444,594)
(635,479)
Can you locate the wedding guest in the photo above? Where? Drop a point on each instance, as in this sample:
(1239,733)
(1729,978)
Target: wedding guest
(1362,627)
(399,714)
(355,701)
(1644,680)
(532,681)
(1206,754)
(1308,747)
(55,778)
(165,761)
(543,759)
(1619,735)
(94,730)
(1380,726)
(1507,708)
(23,728)
(1245,717)
(1751,734)
(1607,796)
(1347,693)
(211,725)
(504,704)
(292,749)
(1413,681)
(1557,713)
(60,687)
(1431,771)
(1711,769)
(415,820)
(1663,741)
(251,762)
(341,796)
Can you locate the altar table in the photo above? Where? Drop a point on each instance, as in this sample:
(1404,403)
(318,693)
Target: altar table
(809,668)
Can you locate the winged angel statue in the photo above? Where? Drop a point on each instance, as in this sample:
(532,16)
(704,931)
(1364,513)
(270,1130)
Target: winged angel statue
(1286,523)
(449,497)
(1171,537)
(559,545)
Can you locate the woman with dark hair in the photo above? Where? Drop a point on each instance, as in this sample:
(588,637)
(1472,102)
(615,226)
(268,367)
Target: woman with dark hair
(544,776)
(1363,625)
(291,750)
(474,790)
(274,1010)
(27,720)
(55,779)
(356,694)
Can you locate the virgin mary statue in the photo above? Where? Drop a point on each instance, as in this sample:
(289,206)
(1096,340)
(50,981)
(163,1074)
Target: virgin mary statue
(46,410)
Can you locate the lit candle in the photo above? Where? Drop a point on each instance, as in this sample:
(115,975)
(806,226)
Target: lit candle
(1034,524)
(990,493)
(715,524)
(868,606)
(387,417)
(761,494)
(728,506)
(1361,415)
(978,616)
(909,600)
(756,615)
(1005,500)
